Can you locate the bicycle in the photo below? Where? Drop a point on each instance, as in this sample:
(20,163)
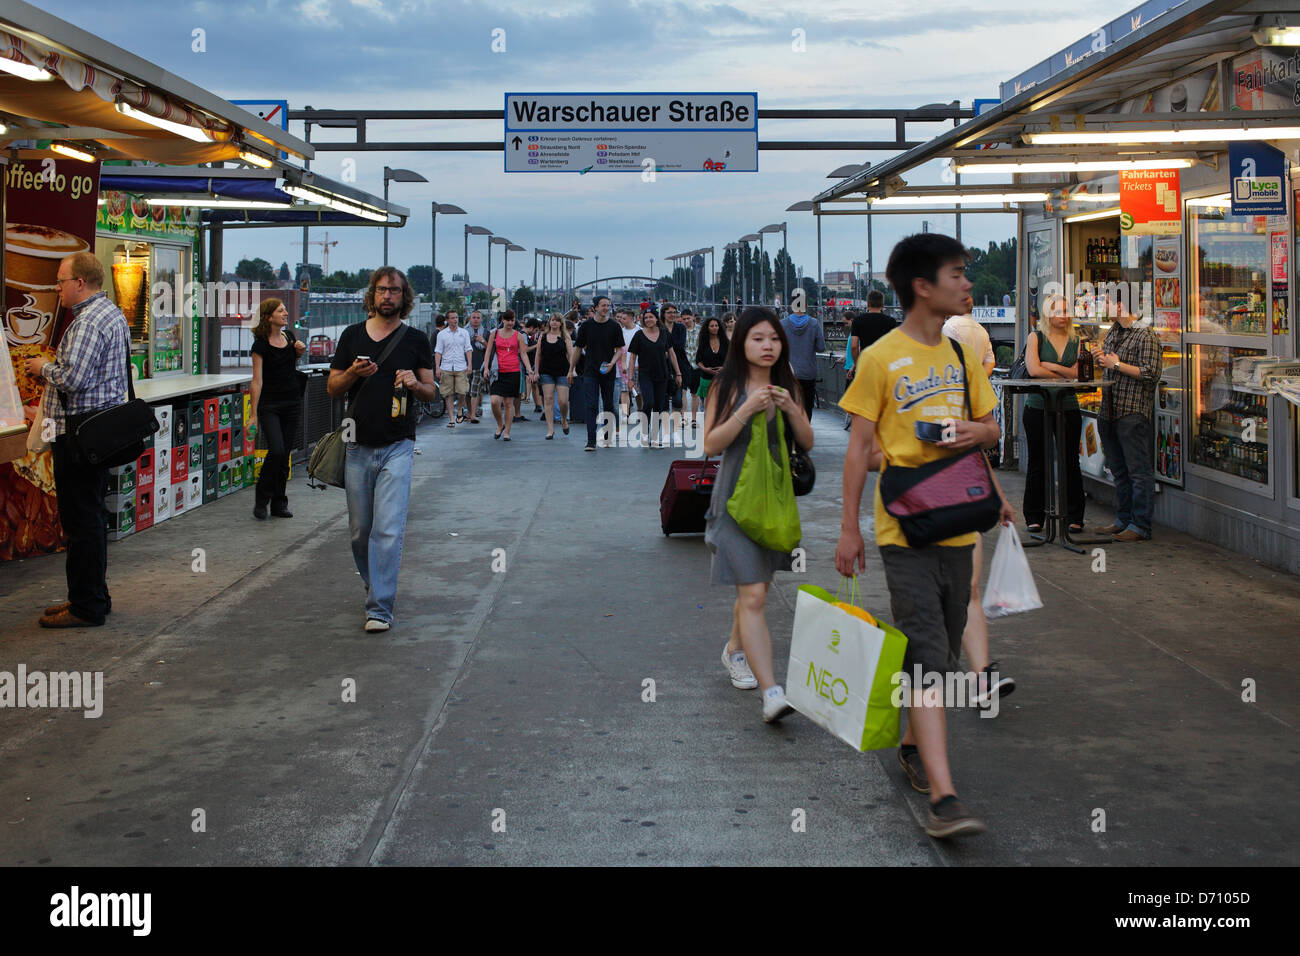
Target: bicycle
(434,408)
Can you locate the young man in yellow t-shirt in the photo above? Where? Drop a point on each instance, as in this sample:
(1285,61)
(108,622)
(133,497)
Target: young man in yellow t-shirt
(909,376)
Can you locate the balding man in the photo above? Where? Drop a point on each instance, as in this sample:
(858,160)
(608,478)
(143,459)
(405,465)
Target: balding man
(88,375)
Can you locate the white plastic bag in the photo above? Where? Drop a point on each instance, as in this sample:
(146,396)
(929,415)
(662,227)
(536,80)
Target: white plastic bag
(1011,587)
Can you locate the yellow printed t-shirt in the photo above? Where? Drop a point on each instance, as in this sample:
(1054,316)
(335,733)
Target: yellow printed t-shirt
(900,382)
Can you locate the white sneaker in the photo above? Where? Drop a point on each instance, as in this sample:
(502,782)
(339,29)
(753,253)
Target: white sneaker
(775,705)
(737,666)
(375,624)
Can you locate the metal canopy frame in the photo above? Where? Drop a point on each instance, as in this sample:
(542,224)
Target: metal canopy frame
(24,19)
(1188,38)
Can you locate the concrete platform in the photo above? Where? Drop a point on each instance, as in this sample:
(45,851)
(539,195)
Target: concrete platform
(515,697)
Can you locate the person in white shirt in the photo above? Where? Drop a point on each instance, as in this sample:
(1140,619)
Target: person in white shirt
(451,361)
(968,332)
(624,387)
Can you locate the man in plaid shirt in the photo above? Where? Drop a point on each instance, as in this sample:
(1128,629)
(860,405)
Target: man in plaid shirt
(88,374)
(1130,354)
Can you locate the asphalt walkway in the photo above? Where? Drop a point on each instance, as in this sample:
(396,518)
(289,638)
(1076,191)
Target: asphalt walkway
(502,720)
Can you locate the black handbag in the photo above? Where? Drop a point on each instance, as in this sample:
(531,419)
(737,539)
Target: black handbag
(299,375)
(116,436)
(1019,368)
(802,473)
(945,498)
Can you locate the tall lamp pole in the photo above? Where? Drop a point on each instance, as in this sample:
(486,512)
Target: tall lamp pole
(401,176)
(447,209)
(471,231)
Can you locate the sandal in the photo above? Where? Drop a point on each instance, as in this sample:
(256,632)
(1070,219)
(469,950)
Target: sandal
(1034,528)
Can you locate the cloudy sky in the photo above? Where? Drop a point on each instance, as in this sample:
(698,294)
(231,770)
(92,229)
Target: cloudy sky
(437,54)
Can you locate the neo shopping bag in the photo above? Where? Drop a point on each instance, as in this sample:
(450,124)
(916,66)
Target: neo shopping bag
(1011,587)
(842,670)
(763,503)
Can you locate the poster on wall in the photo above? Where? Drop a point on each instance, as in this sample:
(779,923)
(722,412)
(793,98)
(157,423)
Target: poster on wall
(1265,79)
(1149,202)
(1043,270)
(1167,287)
(50,208)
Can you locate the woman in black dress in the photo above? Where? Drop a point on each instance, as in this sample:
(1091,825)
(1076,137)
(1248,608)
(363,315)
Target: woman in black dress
(710,354)
(652,354)
(276,403)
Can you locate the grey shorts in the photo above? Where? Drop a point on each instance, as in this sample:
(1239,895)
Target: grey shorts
(929,590)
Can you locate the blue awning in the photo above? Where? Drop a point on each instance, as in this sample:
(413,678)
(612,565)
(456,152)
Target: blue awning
(258,190)
(304,217)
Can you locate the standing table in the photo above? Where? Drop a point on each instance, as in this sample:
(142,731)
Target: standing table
(1052,390)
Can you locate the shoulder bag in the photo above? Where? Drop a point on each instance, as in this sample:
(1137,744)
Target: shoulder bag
(328,462)
(116,436)
(299,375)
(802,473)
(944,498)
(1019,368)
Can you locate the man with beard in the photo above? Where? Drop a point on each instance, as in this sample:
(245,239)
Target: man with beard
(381,448)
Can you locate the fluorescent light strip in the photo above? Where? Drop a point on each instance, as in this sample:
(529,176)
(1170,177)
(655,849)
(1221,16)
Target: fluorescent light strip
(180,129)
(1278,36)
(964,199)
(1221,201)
(26,71)
(324,199)
(1142,136)
(207,202)
(254,159)
(1100,165)
(1093,197)
(63,149)
(1088,216)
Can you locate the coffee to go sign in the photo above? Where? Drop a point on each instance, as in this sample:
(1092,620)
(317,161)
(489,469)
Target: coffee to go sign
(1149,202)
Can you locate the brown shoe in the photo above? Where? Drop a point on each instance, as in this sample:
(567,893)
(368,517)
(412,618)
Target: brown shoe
(1108,528)
(56,608)
(66,618)
(1128,536)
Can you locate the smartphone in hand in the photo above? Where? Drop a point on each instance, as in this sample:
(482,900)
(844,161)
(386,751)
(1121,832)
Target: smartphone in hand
(929,431)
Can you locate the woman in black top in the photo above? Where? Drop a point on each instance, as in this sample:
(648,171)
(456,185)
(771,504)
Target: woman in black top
(652,353)
(555,369)
(276,403)
(710,354)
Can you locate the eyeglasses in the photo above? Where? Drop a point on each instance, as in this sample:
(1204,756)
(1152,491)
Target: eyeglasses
(59,282)
(389,289)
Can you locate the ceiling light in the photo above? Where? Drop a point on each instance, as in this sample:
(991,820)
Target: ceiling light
(209,202)
(1275,34)
(72,152)
(955,198)
(1067,166)
(334,202)
(302,192)
(1088,216)
(25,70)
(180,129)
(1143,136)
(1092,197)
(254,159)
(1221,201)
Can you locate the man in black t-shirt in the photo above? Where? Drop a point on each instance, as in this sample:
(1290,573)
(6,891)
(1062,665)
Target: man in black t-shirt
(601,343)
(379,432)
(869,327)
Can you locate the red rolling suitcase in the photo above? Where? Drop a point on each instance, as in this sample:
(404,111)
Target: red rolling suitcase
(686,495)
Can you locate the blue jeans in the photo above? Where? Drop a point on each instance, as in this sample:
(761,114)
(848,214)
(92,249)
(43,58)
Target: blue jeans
(379,490)
(600,388)
(1129,456)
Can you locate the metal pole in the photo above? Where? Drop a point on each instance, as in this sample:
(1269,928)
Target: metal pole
(713,282)
(489,252)
(465,275)
(744,246)
(871,269)
(760,268)
(433,258)
(385,220)
(818,284)
(785,270)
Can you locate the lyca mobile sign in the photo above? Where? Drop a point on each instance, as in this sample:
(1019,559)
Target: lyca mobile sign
(631,132)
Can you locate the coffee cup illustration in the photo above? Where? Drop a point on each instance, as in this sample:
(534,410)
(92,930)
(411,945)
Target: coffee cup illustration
(32,257)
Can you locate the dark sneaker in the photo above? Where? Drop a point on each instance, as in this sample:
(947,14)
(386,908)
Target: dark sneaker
(915,770)
(949,818)
(590,447)
(259,511)
(990,684)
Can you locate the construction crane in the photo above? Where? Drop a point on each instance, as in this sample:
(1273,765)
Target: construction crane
(325,250)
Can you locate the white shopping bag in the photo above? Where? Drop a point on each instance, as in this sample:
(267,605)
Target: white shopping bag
(1011,587)
(842,671)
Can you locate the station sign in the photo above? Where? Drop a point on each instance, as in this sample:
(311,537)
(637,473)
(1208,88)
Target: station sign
(631,132)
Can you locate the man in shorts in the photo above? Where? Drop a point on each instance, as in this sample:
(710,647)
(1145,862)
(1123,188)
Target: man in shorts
(452,354)
(910,377)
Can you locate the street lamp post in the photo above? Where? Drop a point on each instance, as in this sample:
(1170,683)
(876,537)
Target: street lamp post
(401,176)
(752,237)
(499,241)
(447,209)
(732,247)
(785,281)
(471,231)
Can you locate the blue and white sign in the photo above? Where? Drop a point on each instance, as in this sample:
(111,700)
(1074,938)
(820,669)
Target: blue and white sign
(631,132)
(275,112)
(1256,183)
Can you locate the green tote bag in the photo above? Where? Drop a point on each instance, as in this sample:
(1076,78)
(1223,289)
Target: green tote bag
(763,502)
